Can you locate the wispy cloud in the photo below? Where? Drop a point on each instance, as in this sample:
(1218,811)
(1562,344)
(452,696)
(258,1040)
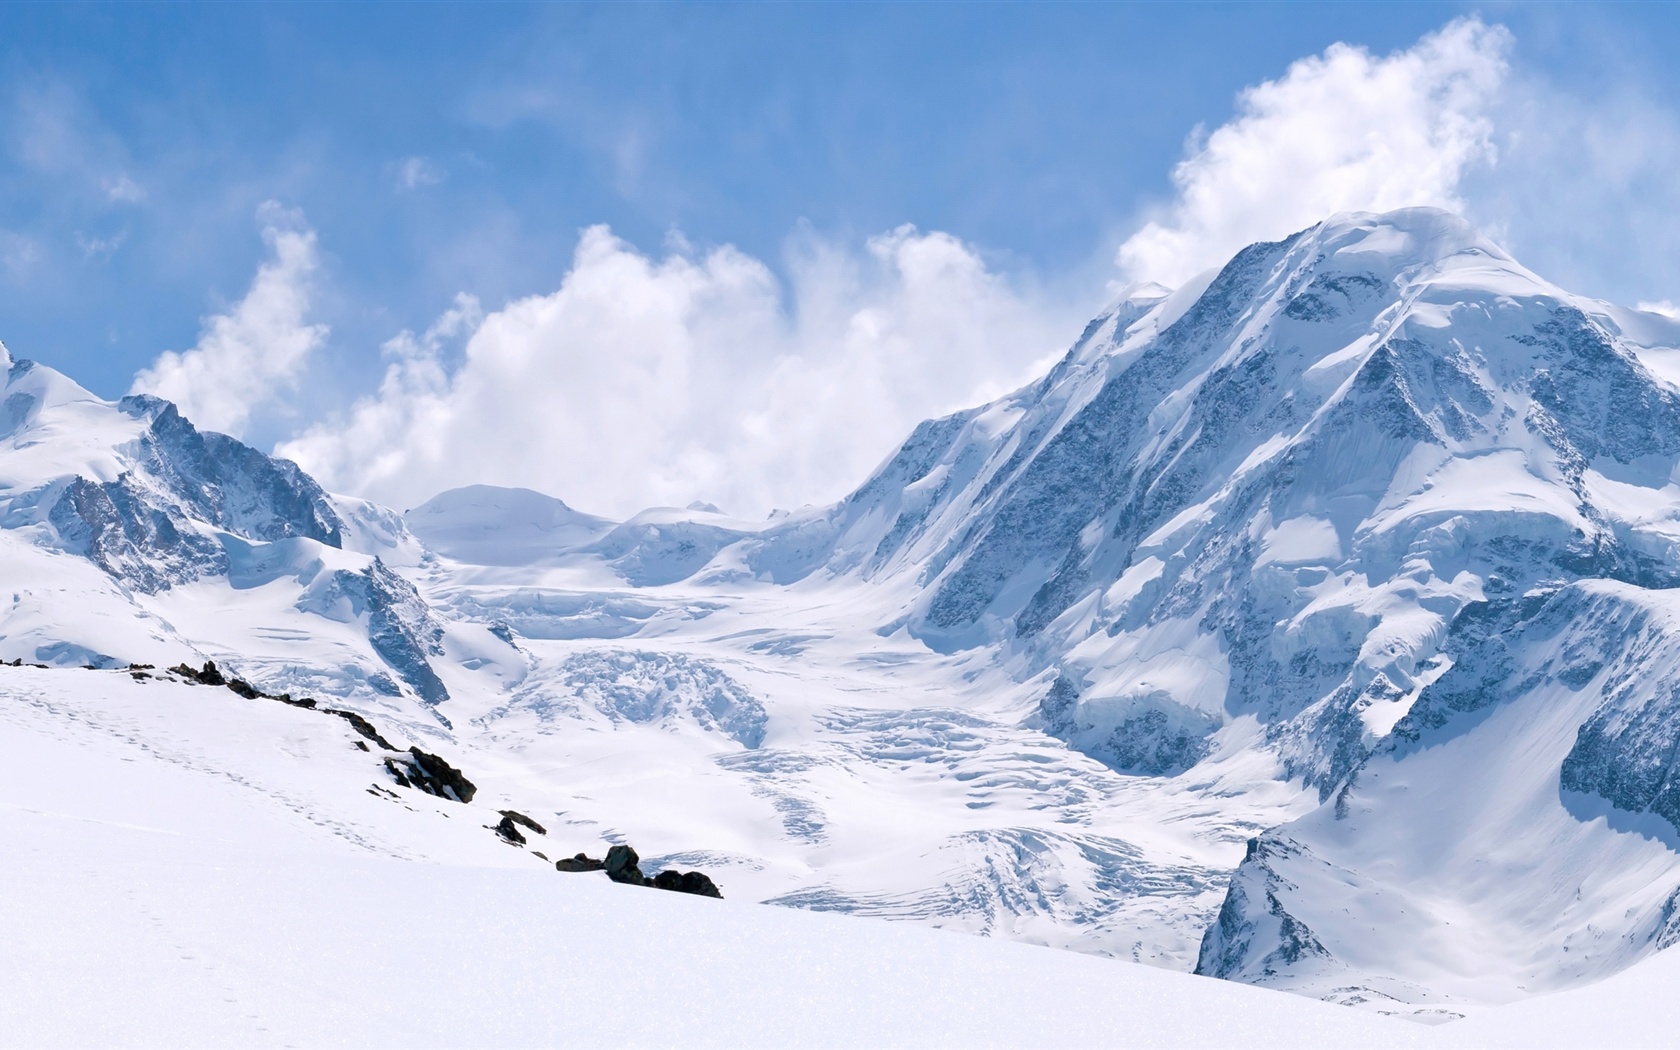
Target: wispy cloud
(415,172)
(100,247)
(123,189)
(251,354)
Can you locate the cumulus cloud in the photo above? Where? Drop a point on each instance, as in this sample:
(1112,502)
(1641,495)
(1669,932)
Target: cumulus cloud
(251,354)
(1345,130)
(645,380)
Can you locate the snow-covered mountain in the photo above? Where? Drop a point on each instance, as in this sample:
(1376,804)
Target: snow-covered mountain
(1308,625)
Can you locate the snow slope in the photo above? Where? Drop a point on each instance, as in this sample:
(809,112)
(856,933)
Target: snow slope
(190,868)
(187,867)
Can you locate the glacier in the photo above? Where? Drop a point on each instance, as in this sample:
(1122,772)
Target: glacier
(1311,626)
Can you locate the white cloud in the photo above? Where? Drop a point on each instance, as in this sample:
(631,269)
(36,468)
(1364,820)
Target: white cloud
(18,253)
(100,247)
(1340,131)
(648,380)
(124,189)
(248,356)
(415,172)
(1664,307)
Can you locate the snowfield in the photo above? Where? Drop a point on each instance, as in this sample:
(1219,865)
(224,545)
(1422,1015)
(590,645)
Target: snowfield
(189,868)
(1315,626)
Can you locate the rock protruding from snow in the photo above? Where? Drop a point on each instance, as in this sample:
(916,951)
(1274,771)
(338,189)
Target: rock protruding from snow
(432,774)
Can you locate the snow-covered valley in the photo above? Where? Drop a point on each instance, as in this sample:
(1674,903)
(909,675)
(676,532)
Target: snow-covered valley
(1309,626)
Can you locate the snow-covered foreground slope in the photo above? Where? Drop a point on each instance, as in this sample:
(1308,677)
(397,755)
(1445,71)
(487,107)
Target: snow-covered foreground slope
(1312,626)
(187,867)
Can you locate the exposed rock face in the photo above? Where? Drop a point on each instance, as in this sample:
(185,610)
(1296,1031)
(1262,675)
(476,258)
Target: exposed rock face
(154,526)
(1254,936)
(400,624)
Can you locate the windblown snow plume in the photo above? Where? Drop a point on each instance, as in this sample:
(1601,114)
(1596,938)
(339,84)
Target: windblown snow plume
(251,354)
(1341,131)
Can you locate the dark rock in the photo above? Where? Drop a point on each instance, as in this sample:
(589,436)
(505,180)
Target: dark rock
(520,818)
(245,689)
(509,833)
(578,863)
(698,883)
(622,866)
(695,882)
(357,722)
(444,775)
(431,774)
(210,675)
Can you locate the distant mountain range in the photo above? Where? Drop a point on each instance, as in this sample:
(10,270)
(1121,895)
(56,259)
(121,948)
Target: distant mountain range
(1312,625)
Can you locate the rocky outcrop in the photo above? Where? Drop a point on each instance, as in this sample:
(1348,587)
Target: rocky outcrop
(431,774)
(623,865)
(697,883)
(578,863)
(510,824)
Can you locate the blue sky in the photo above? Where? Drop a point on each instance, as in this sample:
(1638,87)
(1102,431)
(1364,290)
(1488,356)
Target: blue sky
(416,153)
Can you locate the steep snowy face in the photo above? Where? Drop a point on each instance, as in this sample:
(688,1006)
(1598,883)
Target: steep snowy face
(139,490)
(1515,834)
(156,505)
(1271,492)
